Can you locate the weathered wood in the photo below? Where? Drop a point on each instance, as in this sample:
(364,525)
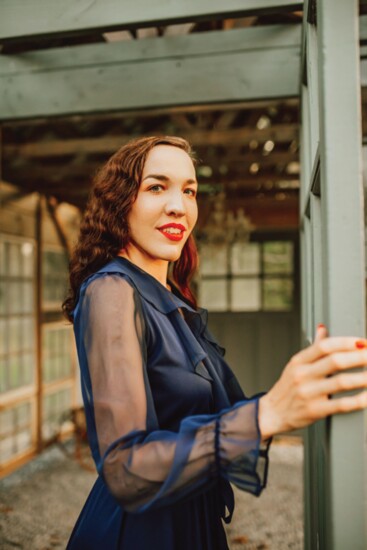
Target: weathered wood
(20,19)
(237,65)
(155,49)
(279,133)
(38,319)
(236,166)
(61,233)
(333,270)
(282,103)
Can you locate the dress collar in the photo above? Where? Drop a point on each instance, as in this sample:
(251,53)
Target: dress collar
(150,288)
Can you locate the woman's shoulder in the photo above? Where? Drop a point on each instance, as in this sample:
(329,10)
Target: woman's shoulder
(106,286)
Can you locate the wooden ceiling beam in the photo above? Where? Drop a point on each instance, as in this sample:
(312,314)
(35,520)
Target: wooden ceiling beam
(213,67)
(279,133)
(285,103)
(22,19)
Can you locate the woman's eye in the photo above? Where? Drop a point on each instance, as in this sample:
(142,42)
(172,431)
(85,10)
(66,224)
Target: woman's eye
(191,192)
(154,188)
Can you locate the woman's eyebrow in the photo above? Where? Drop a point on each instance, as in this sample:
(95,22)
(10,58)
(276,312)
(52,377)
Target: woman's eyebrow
(162,177)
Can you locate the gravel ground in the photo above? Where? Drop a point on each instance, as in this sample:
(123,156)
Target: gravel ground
(40,503)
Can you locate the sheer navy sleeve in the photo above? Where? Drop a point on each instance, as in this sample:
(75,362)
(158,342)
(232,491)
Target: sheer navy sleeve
(150,468)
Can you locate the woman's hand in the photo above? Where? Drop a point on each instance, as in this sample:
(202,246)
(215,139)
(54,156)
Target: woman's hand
(301,395)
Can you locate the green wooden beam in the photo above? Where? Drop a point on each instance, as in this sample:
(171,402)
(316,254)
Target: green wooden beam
(342,450)
(363,29)
(202,68)
(21,19)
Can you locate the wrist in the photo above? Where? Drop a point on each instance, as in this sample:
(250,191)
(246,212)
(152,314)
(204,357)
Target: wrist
(266,418)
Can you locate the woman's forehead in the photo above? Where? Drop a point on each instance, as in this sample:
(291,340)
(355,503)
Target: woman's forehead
(165,158)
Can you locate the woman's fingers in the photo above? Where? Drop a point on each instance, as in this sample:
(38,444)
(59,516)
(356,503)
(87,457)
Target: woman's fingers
(343,404)
(325,346)
(321,332)
(336,362)
(335,384)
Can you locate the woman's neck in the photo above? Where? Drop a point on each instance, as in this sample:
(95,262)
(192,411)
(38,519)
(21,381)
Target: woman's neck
(156,268)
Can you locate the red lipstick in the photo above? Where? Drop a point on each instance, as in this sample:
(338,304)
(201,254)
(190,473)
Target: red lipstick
(176,236)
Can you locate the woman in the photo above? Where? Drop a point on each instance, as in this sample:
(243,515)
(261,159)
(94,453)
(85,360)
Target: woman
(168,425)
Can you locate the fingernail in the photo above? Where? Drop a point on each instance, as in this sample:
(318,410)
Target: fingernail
(361,344)
(321,325)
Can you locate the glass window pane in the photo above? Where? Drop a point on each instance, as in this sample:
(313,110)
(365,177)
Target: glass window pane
(7,449)
(3,337)
(23,415)
(16,430)
(2,258)
(213,259)
(14,288)
(278,257)
(6,421)
(28,256)
(66,365)
(28,334)
(3,375)
(213,295)
(246,295)
(55,277)
(278,294)
(15,372)
(245,259)
(28,368)
(24,440)
(3,298)
(55,405)
(28,297)
(15,333)
(14,258)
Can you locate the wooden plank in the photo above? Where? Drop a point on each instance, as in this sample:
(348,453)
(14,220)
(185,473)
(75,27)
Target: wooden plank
(288,103)
(21,19)
(235,165)
(172,47)
(279,133)
(343,445)
(38,300)
(214,67)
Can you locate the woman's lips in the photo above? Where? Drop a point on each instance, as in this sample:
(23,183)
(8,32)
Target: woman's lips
(172,236)
(173,231)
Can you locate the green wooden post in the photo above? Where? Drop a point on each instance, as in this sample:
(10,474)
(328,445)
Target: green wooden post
(332,211)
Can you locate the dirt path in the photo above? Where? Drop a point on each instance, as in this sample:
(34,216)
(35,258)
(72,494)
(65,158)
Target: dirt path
(39,504)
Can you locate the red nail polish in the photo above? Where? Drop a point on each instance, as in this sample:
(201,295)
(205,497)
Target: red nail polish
(321,325)
(361,344)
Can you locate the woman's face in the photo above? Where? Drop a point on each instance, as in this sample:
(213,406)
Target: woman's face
(165,210)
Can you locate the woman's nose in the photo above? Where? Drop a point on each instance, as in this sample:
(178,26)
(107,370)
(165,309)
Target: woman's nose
(175,204)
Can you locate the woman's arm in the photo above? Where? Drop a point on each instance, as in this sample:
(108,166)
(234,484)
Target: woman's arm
(143,467)
(301,395)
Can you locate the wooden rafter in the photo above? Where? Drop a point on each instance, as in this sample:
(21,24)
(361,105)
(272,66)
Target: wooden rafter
(279,133)
(20,19)
(132,75)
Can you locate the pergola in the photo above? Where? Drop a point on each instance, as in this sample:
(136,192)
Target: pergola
(247,82)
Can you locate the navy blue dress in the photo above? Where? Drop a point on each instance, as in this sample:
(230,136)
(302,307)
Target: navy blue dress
(168,424)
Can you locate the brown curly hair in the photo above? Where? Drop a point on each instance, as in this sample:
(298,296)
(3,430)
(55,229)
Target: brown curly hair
(104,230)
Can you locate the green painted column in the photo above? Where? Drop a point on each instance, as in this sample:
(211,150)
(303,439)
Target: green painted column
(332,214)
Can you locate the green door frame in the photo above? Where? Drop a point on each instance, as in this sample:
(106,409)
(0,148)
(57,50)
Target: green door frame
(333,265)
